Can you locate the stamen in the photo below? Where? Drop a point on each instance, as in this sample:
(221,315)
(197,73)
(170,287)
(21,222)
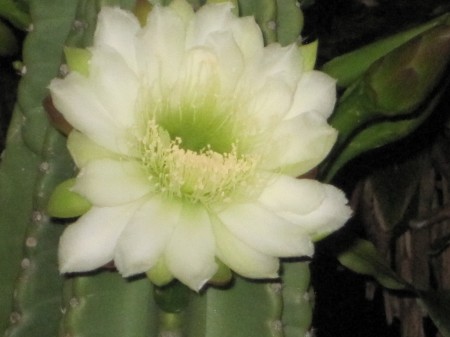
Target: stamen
(203,177)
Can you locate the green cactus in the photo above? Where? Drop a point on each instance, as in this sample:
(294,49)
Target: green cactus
(37,301)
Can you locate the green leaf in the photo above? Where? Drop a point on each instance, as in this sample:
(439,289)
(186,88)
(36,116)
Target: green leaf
(363,258)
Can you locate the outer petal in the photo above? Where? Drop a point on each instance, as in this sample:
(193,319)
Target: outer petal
(115,85)
(75,97)
(117,28)
(109,182)
(230,59)
(285,194)
(284,63)
(143,241)
(83,150)
(209,20)
(244,260)
(248,36)
(89,242)
(316,92)
(300,144)
(191,250)
(331,215)
(266,232)
(161,47)
(265,107)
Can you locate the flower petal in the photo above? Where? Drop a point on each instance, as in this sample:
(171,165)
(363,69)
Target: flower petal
(287,194)
(76,98)
(244,260)
(248,36)
(190,254)
(208,20)
(316,92)
(266,232)
(116,89)
(266,107)
(283,63)
(116,28)
(89,243)
(143,241)
(83,150)
(329,216)
(161,47)
(230,61)
(300,144)
(107,182)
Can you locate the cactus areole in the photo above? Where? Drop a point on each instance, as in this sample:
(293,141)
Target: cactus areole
(189,134)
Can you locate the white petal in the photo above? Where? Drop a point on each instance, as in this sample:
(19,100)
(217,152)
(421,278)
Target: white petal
(283,63)
(329,216)
(230,59)
(266,107)
(190,255)
(144,239)
(83,150)
(75,97)
(117,28)
(89,243)
(107,182)
(209,20)
(161,47)
(242,259)
(266,232)
(198,77)
(285,194)
(248,36)
(316,92)
(115,85)
(300,144)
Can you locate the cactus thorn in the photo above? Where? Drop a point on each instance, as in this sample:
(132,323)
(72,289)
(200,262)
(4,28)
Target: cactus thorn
(31,242)
(79,25)
(15,317)
(25,263)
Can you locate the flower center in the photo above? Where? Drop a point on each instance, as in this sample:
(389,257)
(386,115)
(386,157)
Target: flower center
(201,176)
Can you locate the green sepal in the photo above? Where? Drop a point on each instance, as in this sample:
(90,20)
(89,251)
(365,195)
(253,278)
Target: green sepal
(159,274)
(64,203)
(349,67)
(309,53)
(223,275)
(78,59)
(141,11)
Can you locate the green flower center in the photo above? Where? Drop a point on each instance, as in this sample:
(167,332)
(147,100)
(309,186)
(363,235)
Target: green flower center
(194,161)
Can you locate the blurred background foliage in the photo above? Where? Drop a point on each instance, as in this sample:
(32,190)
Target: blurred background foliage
(400,191)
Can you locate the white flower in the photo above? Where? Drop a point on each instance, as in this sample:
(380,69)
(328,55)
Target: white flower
(189,134)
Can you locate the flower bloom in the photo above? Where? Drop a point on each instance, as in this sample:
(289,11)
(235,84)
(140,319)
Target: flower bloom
(189,133)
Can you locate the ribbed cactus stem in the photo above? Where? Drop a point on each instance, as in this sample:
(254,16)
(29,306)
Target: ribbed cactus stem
(298,299)
(35,299)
